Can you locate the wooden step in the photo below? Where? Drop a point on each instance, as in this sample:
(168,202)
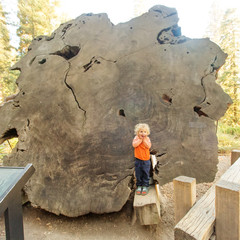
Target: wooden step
(147,208)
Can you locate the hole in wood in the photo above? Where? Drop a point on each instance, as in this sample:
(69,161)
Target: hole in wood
(199,112)
(68,52)
(42,61)
(166,98)
(121,113)
(11,133)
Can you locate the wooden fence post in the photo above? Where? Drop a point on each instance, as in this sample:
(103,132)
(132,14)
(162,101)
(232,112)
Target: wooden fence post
(227,210)
(227,204)
(184,196)
(235,154)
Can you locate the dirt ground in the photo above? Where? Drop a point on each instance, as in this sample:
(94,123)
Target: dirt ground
(41,225)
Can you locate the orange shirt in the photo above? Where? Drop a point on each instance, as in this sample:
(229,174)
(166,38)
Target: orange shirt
(141,151)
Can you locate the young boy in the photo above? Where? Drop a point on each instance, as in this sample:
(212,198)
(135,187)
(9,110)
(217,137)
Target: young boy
(142,144)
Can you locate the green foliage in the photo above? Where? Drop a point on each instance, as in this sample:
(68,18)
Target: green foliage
(224,29)
(229,74)
(229,130)
(36,18)
(227,35)
(228,138)
(4,41)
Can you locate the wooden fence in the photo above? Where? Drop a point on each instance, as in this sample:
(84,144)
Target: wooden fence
(216,213)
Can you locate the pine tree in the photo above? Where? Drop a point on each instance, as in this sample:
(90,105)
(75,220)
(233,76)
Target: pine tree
(7,77)
(215,18)
(37,17)
(229,75)
(4,40)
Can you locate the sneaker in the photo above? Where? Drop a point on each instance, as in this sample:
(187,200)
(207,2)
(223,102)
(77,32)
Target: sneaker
(139,190)
(144,191)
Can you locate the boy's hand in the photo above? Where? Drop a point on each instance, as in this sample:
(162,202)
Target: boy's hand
(137,141)
(140,137)
(147,142)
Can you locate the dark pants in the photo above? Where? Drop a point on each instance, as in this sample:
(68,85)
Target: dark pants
(142,171)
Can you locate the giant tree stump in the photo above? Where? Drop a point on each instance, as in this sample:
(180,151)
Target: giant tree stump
(83,89)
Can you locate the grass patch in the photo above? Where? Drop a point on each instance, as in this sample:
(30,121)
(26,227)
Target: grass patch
(228,138)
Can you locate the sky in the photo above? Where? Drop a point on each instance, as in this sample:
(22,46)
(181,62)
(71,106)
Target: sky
(123,10)
(193,15)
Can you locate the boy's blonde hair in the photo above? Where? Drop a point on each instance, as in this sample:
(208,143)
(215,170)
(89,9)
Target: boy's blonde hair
(140,126)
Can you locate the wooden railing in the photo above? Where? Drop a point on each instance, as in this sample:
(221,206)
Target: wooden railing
(217,211)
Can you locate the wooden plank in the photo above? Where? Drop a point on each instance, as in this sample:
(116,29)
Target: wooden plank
(228,204)
(184,196)
(147,208)
(235,154)
(227,210)
(198,223)
(233,173)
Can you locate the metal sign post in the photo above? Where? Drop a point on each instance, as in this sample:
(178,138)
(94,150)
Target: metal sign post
(12,180)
